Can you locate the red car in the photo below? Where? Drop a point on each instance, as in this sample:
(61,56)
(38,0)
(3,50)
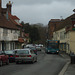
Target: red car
(3,58)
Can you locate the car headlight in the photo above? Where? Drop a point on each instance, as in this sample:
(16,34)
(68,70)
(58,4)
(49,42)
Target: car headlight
(57,51)
(48,50)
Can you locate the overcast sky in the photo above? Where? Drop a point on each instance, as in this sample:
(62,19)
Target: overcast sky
(41,11)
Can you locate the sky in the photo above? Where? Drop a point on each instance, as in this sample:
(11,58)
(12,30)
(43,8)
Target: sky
(41,11)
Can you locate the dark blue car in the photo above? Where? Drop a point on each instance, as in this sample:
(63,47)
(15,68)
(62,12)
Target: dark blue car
(11,54)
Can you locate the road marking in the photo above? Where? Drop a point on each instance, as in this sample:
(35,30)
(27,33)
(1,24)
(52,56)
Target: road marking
(64,68)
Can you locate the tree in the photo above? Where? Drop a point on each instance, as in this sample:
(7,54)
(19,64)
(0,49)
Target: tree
(42,30)
(34,34)
(32,30)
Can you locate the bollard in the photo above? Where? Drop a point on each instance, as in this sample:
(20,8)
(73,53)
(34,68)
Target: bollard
(72,59)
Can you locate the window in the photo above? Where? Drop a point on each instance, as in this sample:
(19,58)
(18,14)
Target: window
(62,35)
(18,32)
(22,52)
(5,32)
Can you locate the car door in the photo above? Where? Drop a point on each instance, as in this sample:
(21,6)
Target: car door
(3,58)
(33,54)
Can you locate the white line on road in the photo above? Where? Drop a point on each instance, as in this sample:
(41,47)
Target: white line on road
(64,69)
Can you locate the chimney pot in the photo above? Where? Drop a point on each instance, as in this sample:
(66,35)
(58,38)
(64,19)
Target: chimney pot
(9,5)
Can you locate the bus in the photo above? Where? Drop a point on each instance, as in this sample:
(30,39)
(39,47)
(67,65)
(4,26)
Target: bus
(52,46)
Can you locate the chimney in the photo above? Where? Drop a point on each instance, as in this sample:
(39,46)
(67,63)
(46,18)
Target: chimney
(9,5)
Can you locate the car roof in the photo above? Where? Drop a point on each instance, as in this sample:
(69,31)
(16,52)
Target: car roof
(24,49)
(9,50)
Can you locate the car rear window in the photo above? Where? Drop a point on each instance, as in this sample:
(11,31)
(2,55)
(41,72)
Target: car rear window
(9,52)
(22,52)
(1,52)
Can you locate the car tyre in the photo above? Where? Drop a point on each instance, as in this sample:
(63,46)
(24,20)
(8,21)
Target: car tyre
(7,63)
(17,62)
(1,63)
(36,60)
(33,61)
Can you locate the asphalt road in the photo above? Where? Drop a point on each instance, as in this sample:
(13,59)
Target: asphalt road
(47,64)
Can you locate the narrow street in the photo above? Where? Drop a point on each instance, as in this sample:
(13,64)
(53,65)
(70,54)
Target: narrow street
(47,64)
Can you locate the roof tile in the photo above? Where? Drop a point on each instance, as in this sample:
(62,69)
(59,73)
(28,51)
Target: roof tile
(6,23)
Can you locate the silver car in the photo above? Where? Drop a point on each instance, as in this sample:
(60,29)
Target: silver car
(38,48)
(25,55)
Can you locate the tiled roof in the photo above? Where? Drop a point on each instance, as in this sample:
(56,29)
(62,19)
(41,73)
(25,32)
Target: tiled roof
(54,20)
(55,24)
(4,10)
(12,18)
(15,17)
(4,23)
(66,22)
(60,26)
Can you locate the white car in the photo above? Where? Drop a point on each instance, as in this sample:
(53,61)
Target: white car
(25,55)
(29,45)
(40,45)
(38,48)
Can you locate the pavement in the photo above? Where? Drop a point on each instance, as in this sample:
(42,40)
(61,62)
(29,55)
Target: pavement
(69,68)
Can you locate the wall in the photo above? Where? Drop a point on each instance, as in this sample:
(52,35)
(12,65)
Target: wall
(59,35)
(8,38)
(72,41)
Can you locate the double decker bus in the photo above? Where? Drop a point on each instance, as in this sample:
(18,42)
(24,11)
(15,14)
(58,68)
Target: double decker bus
(52,46)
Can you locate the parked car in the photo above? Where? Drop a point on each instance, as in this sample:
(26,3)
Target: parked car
(3,58)
(33,48)
(38,48)
(29,45)
(41,45)
(25,55)
(11,54)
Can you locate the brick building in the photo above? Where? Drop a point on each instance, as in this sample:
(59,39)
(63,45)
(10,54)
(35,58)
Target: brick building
(65,32)
(52,26)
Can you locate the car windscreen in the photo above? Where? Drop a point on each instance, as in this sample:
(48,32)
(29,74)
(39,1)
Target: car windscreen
(38,47)
(9,52)
(1,52)
(22,52)
(33,48)
(54,46)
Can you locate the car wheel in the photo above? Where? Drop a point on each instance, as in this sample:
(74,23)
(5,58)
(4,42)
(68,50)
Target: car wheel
(7,63)
(1,63)
(17,62)
(32,60)
(36,59)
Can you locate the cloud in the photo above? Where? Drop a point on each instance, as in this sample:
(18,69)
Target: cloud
(41,11)
(31,2)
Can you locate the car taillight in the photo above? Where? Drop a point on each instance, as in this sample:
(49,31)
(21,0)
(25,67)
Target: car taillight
(17,56)
(29,56)
(34,50)
(11,56)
